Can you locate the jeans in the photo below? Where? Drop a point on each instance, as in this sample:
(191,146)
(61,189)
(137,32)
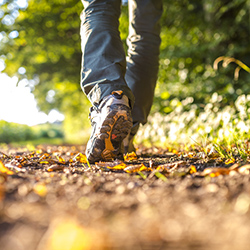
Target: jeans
(105,67)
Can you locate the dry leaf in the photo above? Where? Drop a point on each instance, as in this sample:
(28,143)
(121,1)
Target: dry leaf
(175,151)
(118,167)
(80,158)
(130,156)
(60,159)
(229,161)
(192,169)
(55,168)
(172,165)
(136,168)
(5,170)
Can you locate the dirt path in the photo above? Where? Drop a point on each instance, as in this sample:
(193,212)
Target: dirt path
(75,207)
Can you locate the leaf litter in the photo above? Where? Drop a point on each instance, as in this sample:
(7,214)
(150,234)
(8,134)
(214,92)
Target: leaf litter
(153,198)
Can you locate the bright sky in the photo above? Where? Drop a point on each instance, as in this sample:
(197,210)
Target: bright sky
(17,103)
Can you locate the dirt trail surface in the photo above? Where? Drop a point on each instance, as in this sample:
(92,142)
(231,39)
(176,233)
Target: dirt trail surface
(51,200)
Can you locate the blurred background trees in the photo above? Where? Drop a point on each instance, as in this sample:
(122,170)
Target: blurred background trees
(41,42)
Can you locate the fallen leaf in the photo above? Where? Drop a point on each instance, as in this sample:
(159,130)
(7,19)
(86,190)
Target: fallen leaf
(229,161)
(192,169)
(136,168)
(5,170)
(55,168)
(175,151)
(172,165)
(130,156)
(80,158)
(118,167)
(60,159)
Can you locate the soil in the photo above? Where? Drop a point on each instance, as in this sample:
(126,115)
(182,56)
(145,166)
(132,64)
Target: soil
(76,207)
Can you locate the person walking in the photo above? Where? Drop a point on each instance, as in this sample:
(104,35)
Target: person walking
(120,88)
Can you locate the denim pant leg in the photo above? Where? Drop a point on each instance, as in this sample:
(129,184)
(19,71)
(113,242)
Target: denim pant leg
(103,56)
(143,55)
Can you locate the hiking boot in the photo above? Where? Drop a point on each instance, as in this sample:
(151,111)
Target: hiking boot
(111,122)
(128,142)
(128,145)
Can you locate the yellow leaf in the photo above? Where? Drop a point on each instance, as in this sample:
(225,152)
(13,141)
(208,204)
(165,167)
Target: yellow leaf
(143,168)
(130,156)
(5,170)
(80,158)
(192,169)
(118,167)
(44,162)
(60,159)
(229,161)
(175,151)
(136,168)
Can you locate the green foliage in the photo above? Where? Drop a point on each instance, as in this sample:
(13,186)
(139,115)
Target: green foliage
(194,34)
(12,132)
(187,124)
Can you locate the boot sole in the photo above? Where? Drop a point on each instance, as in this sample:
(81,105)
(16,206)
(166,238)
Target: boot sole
(107,143)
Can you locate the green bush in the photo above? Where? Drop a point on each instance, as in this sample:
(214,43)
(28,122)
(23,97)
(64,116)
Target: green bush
(12,132)
(189,123)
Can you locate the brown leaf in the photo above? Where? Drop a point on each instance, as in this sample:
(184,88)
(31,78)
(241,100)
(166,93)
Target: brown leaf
(55,168)
(172,165)
(2,192)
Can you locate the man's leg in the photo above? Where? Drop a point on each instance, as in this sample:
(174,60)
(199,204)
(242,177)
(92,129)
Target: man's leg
(143,56)
(103,70)
(104,63)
